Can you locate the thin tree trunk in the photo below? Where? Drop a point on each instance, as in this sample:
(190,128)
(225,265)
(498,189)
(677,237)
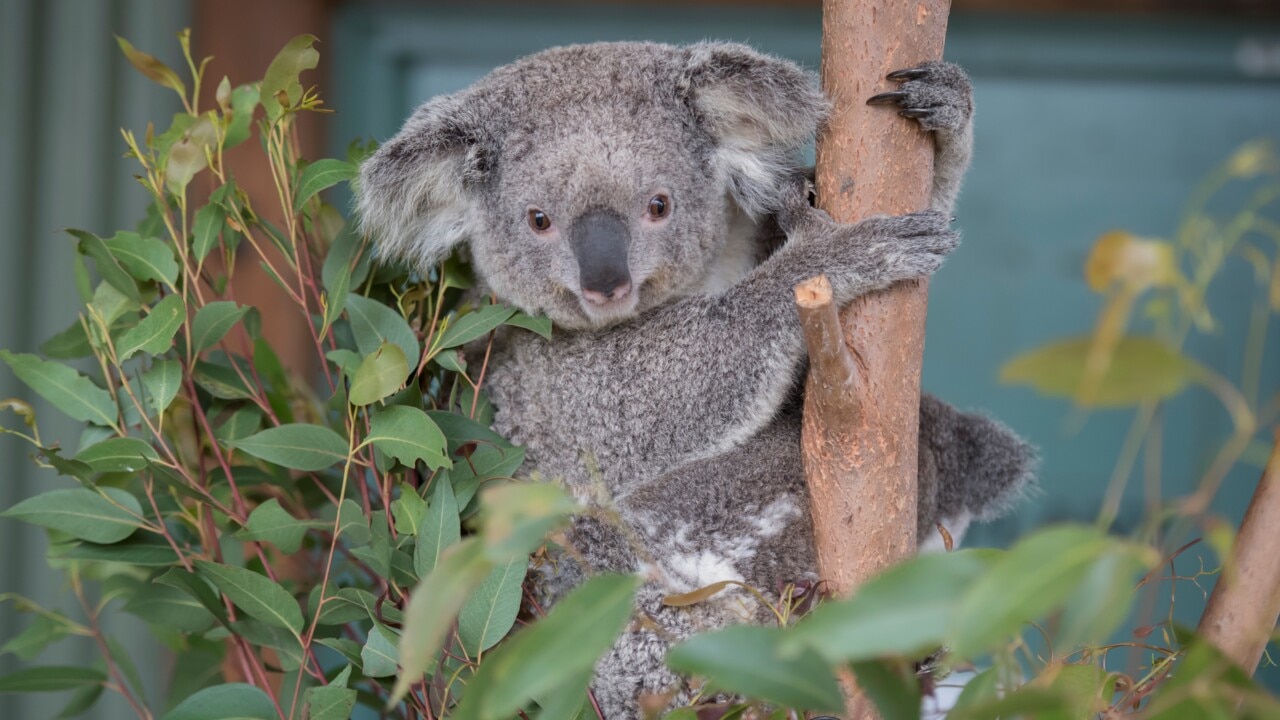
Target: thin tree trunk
(1245,604)
(861,417)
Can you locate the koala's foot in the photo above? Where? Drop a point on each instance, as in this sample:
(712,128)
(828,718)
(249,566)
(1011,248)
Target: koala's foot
(939,97)
(936,94)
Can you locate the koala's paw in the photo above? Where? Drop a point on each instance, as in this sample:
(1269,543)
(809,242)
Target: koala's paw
(907,246)
(937,94)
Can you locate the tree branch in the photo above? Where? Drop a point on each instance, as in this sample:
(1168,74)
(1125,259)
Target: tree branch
(862,398)
(1245,604)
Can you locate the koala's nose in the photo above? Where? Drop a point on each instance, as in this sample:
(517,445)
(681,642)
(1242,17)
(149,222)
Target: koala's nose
(599,239)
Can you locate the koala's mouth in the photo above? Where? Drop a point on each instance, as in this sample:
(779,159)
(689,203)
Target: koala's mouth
(611,310)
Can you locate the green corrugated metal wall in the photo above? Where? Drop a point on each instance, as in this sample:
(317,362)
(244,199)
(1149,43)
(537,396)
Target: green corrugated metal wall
(64,91)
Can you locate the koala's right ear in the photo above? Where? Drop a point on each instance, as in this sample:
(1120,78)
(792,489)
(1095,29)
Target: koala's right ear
(414,194)
(759,109)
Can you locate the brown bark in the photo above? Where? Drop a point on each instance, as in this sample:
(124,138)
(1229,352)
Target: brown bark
(1245,604)
(862,404)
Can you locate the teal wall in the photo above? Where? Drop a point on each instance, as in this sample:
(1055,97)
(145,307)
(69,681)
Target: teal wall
(64,91)
(1084,124)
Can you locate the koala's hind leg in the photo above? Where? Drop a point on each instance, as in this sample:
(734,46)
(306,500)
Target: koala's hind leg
(939,96)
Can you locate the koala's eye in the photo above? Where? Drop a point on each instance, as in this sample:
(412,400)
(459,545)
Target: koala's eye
(539,220)
(659,206)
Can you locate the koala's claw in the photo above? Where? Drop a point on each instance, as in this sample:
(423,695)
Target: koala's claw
(937,94)
(888,98)
(907,74)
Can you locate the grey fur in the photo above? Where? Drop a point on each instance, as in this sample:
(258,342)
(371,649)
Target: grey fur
(674,413)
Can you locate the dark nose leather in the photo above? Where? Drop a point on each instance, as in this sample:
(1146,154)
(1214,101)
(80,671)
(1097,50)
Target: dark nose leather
(599,239)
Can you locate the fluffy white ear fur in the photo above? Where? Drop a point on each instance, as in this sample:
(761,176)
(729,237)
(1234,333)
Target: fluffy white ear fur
(412,194)
(760,110)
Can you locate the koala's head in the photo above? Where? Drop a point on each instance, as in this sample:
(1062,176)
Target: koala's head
(593,182)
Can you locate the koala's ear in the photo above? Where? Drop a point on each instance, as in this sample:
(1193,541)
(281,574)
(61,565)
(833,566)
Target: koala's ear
(760,110)
(415,193)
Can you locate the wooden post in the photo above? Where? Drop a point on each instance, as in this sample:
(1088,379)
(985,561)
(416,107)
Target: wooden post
(862,406)
(1245,604)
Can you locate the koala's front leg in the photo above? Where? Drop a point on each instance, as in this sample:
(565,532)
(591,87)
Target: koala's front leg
(939,96)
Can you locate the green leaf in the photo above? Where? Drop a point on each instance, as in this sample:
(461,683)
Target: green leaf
(517,516)
(155,333)
(150,66)
(906,610)
(132,551)
(50,678)
(554,650)
(297,446)
(118,455)
(82,513)
(320,175)
(64,388)
(379,653)
(106,264)
(187,156)
(196,587)
(244,100)
(348,605)
(749,660)
(353,524)
(379,375)
(223,702)
(1097,606)
(440,528)
(408,435)
(408,510)
(433,605)
(209,223)
(213,321)
(1035,576)
(43,631)
(146,258)
(347,253)
(81,701)
(332,702)
(161,384)
(473,325)
(374,323)
(271,523)
(68,344)
(491,611)
(1142,369)
(282,74)
(169,607)
(538,324)
(222,381)
(259,596)
(892,685)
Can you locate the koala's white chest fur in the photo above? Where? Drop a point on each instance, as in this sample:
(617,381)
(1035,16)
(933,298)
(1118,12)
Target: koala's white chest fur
(740,254)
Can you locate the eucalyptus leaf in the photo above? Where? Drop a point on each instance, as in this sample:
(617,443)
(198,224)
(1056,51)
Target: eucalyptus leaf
(473,325)
(297,446)
(433,605)
(517,516)
(64,388)
(146,258)
(50,678)
(107,518)
(440,528)
(555,649)
(258,595)
(408,435)
(379,375)
(213,321)
(224,702)
(374,323)
(108,267)
(154,334)
(161,384)
(379,652)
(119,454)
(320,175)
(1141,369)
(209,223)
(492,609)
(281,78)
(271,523)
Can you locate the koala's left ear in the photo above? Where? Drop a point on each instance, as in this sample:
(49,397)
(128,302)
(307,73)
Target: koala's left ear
(414,194)
(760,110)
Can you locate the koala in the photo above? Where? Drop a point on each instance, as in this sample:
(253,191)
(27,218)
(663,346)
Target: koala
(649,199)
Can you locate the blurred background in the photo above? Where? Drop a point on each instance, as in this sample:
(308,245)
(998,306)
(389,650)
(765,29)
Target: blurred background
(1091,116)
